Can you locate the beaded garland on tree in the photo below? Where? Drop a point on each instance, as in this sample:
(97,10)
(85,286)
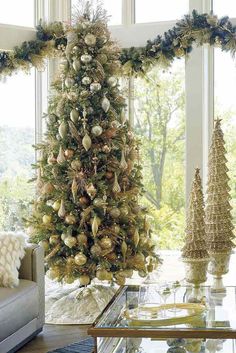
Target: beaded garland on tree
(87,215)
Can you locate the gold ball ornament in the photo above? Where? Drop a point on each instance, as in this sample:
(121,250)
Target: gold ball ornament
(96,250)
(102,274)
(86,58)
(90,39)
(84,280)
(95,87)
(115,212)
(70,261)
(44,244)
(120,280)
(76,164)
(69,82)
(106,243)
(82,239)
(86,80)
(54,239)
(70,219)
(84,201)
(96,130)
(74,115)
(56,205)
(102,58)
(112,81)
(98,202)
(80,259)
(70,241)
(47,219)
(69,279)
(69,153)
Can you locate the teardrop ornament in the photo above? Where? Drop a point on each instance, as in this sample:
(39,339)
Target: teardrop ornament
(76,65)
(62,210)
(86,142)
(123,163)
(124,249)
(74,115)
(95,225)
(74,189)
(136,237)
(61,157)
(105,104)
(116,187)
(63,130)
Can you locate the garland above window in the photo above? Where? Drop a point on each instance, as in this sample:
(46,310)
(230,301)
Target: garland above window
(177,42)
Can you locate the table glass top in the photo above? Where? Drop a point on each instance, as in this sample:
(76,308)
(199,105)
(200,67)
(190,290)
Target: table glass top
(123,312)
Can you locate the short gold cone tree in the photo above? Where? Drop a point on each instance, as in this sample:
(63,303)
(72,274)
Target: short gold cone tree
(87,215)
(219,227)
(194,252)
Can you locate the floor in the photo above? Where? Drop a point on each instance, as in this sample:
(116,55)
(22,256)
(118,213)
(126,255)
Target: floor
(55,336)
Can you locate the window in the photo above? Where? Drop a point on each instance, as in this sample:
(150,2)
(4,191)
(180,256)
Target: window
(227,7)
(159,121)
(17,130)
(225,108)
(154,11)
(17,12)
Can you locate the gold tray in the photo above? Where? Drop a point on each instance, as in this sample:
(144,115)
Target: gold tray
(187,313)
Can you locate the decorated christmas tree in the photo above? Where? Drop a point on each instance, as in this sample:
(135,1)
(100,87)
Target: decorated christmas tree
(87,215)
(219,227)
(194,253)
(195,241)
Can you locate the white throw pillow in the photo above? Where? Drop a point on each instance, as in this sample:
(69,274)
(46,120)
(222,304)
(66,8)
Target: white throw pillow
(11,252)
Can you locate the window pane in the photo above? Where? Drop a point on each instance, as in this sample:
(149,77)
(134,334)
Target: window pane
(225,108)
(114,10)
(17,113)
(154,11)
(15,12)
(159,121)
(226,7)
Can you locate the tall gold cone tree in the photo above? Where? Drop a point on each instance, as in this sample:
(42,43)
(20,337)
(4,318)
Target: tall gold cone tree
(87,215)
(219,227)
(195,242)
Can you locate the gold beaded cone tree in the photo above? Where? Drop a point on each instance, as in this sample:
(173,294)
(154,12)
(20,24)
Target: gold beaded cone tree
(87,215)
(219,227)
(194,252)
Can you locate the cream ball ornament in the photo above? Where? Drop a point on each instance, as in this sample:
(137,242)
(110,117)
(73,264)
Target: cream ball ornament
(86,80)
(112,81)
(95,87)
(90,39)
(86,58)
(70,219)
(115,212)
(96,130)
(80,259)
(69,82)
(56,205)
(102,274)
(84,280)
(70,241)
(64,236)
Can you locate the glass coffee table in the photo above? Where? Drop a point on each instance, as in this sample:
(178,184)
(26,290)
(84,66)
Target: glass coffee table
(122,328)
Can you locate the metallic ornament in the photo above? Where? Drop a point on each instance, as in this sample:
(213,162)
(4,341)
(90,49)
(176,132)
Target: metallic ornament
(123,163)
(54,239)
(115,212)
(86,58)
(47,188)
(69,82)
(76,164)
(70,241)
(95,87)
(70,219)
(61,158)
(102,58)
(86,80)
(74,115)
(86,142)
(105,104)
(115,124)
(136,238)
(76,65)
(112,81)
(80,259)
(95,225)
(84,280)
(69,153)
(96,130)
(98,202)
(102,274)
(116,187)
(106,148)
(91,190)
(82,239)
(96,250)
(74,189)
(44,244)
(56,205)
(62,210)
(47,219)
(106,243)
(63,129)
(90,39)
(63,236)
